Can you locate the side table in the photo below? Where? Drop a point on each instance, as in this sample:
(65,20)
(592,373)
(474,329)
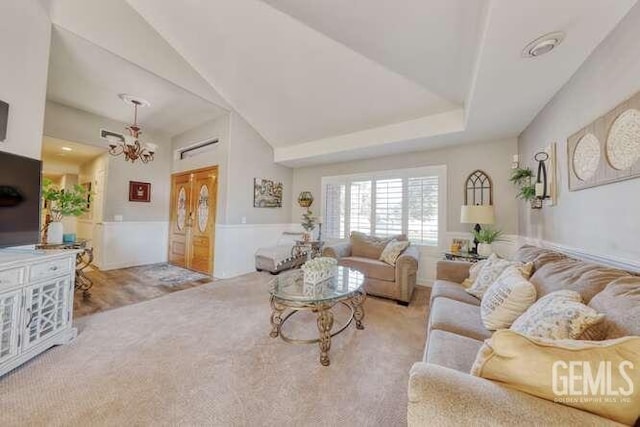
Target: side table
(83,260)
(312,248)
(463,256)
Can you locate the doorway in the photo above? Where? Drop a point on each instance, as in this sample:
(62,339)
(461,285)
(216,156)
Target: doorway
(193,216)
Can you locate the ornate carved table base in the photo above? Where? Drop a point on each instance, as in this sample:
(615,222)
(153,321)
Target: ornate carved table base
(325,321)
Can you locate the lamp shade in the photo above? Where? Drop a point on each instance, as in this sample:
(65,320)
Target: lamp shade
(477,214)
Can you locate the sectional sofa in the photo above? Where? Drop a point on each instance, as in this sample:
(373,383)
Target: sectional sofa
(441,390)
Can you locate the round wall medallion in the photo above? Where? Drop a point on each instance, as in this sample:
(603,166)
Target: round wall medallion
(586,157)
(623,142)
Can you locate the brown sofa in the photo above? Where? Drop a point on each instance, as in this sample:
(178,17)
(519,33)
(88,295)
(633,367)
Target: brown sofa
(441,390)
(381,279)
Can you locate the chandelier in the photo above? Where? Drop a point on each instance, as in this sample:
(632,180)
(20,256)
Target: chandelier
(129,145)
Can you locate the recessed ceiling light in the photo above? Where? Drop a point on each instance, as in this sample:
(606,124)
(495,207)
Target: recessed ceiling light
(67,149)
(542,45)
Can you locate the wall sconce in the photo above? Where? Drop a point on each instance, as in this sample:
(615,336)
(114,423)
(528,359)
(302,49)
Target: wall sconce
(542,180)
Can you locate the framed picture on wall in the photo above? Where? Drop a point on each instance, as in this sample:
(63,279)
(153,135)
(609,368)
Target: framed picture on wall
(139,191)
(267,193)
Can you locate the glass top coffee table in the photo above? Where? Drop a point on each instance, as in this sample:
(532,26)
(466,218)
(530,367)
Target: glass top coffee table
(290,295)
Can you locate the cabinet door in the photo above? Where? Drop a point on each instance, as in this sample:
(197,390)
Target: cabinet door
(9,324)
(47,310)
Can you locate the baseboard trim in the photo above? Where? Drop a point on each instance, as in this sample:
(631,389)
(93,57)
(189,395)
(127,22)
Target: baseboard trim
(585,255)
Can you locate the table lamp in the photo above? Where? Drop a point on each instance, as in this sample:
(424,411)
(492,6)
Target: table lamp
(477,214)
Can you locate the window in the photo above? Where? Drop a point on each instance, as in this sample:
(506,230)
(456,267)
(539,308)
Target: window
(197,149)
(409,201)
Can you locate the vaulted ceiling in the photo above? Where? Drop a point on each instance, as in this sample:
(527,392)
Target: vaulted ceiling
(333,80)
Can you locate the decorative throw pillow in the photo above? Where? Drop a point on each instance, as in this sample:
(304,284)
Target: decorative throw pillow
(491,270)
(366,246)
(474,270)
(505,300)
(558,371)
(560,315)
(392,251)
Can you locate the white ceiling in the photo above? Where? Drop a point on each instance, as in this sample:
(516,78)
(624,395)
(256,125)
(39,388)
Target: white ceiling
(430,42)
(292,83)
(87,77)
(330,80)
(52,152)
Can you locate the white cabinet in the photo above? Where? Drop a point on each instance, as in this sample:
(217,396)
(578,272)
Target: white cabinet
(36,303)
(47,310)
(10,303)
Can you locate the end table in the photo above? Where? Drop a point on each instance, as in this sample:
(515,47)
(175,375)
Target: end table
(312,248)
(83,260)
(463,256)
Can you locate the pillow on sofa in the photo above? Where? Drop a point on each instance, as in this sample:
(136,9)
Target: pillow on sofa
(366,246)
(393,250)
(505,300)
(560,315)
(544,369)
(491,270)
(474,270)
(620,303)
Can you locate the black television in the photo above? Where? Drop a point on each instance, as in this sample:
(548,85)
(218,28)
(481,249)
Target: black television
(20,184)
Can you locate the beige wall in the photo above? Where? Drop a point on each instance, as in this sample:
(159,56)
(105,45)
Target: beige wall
(250,156)
(601,220)
(218,156)
(492,157)
(24,43)
(80,126)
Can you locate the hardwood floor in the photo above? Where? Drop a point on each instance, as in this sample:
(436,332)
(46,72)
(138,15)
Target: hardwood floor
(117,288)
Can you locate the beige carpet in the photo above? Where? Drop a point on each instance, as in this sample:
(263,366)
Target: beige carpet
(203,356)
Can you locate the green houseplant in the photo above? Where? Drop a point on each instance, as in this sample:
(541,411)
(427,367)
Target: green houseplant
(308,223)
(485,237)
(63,203)
(522,179)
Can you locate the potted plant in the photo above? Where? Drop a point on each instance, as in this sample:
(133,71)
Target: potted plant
(62,203)
(521,178)
(309,224)
(486,236)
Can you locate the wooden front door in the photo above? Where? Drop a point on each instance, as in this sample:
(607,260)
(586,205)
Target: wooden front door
(193,210)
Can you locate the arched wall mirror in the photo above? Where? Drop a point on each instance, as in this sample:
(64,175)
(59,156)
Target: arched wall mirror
(478,189)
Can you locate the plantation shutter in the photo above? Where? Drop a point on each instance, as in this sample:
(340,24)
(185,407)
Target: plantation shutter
(422,197)
(388,207)
(334,215)
(360,207)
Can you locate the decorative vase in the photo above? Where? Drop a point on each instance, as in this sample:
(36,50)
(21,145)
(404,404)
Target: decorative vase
(55,232)
(485,249)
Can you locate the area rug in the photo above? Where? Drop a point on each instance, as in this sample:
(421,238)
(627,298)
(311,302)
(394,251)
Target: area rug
(203,356)
(167,274)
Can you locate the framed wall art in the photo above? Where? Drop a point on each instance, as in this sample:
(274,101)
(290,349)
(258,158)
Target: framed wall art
(4,120)
(607,150)
(267,193)
(139,191)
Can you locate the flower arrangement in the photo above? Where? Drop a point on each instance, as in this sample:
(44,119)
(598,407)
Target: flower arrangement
(319,269)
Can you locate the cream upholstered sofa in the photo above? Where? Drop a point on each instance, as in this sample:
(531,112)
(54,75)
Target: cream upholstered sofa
(441,390)
(362,253)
